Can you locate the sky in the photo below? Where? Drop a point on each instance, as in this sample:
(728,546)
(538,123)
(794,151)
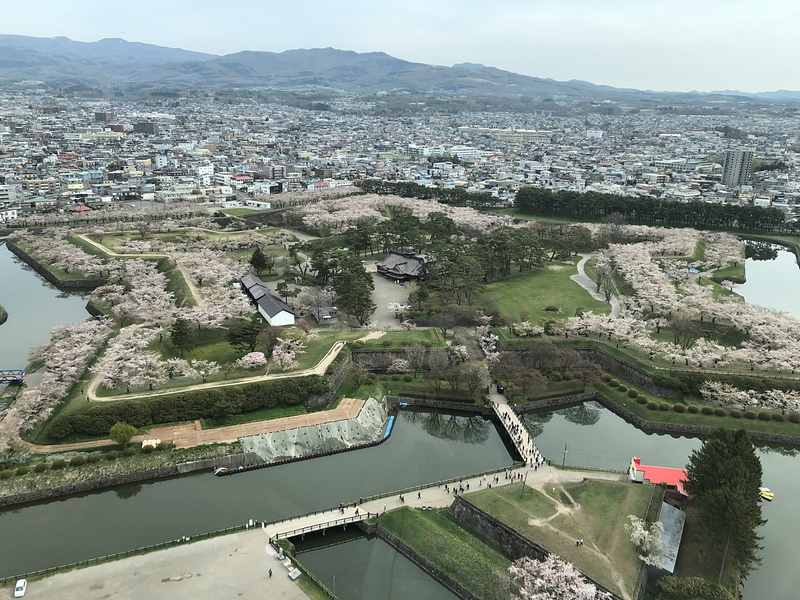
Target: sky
(676,45)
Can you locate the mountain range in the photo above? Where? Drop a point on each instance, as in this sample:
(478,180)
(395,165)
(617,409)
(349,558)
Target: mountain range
(114,62)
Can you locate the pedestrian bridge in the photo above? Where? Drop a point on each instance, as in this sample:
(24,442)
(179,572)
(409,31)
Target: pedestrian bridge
(10,376)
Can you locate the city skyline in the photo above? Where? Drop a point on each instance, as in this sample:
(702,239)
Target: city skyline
(675,46)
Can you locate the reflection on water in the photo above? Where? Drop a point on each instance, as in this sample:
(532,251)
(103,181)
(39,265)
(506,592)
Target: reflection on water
(356,567)
(131,516)
(471,429)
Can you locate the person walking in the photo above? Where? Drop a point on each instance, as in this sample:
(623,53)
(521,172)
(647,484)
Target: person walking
(270,572)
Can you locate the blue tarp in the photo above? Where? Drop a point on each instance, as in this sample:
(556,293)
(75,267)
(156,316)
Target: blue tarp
(389,427)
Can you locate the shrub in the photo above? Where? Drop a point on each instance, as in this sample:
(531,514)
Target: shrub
(794,417)
(22,471)
(691,587)
(606,377)
(40,468)
(6,474)
(693,409)
(707,410)
(148,449)
(77,461)
(370,380)
(384,377)
(58,463)
(112,455)
(395,377)
(665,406)
(566,376)
(163,445)
(622,387)
(720,412)
(749,414)
(556,376)
(777,417)
(652,405)
(641,399)
(735,413)
(94,457)
(679,408)
(130,451)
(614,382)
(764,416)
(408,377)
(633,393)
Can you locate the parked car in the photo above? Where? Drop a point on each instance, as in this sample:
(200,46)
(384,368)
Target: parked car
(20,588)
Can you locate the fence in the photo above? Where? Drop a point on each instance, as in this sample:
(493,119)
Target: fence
(298,565)
(117,555)
(320,526)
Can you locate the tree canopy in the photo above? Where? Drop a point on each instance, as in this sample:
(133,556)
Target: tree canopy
(724,480)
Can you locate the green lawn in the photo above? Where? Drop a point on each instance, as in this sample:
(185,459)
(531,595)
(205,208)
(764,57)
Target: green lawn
(480,568)
(529,293)
(236,212)
(401,339)
(601,511)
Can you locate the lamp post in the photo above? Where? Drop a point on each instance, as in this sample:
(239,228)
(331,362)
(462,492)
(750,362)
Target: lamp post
(564,460)
(524,483)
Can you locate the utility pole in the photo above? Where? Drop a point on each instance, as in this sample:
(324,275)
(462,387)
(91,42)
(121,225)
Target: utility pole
(524,483)
(564,460)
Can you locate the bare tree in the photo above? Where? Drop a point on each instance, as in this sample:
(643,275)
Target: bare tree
(417,357)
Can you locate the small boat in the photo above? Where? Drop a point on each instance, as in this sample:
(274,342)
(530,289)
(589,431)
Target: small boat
(766,494)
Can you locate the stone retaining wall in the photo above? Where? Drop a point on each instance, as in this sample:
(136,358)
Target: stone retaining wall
(439,575)
(497,533)
(393,401)
(89,486)
(641,378)
(64,284)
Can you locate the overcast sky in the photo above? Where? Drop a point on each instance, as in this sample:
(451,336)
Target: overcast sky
(646,44)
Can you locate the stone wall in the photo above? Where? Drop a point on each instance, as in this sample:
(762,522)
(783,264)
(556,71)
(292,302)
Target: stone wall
(486,411)
(63,284)
(641,378)
(497,533)
(89,486)
(439,575)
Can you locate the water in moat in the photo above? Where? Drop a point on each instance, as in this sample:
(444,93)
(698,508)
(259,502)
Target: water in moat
(422,449)
(773,280)
(355,567)
(34,307)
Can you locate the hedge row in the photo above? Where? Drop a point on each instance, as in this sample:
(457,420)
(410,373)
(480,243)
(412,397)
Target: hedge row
(187,406)
(79,460)
(689,383)
(692,588)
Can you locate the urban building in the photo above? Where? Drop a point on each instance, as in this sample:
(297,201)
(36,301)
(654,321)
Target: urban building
(737,167)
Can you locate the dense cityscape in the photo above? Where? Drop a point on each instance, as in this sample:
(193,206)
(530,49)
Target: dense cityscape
(332,324)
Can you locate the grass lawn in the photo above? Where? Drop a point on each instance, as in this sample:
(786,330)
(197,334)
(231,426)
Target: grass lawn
(480,568)
(602,510)
(421,387)
(699,557)
(530,293)
(403,339)
(262,414)
(235,212)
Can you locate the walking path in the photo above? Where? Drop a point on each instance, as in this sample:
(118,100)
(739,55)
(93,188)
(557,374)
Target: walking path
(583,280)
(237,565)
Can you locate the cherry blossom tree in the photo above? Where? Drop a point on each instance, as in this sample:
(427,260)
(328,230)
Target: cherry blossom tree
(253,360)
(649,541)
(551,579)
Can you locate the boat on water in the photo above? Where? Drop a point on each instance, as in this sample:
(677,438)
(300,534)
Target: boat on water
(766,494)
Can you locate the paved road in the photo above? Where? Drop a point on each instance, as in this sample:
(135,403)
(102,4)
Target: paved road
(583,280)
(235,566)
(231,566)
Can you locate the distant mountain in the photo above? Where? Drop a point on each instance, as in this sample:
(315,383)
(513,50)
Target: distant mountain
(105,51)
(776,95)
(60,61)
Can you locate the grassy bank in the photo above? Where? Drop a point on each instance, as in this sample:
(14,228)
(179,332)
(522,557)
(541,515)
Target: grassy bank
(480,568)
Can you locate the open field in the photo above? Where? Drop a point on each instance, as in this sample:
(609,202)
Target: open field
(593,510)
(529,294)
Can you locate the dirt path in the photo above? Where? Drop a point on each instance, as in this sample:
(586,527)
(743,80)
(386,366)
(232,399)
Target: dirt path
(319,369)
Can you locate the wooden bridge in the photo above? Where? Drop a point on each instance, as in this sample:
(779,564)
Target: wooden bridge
(12,376)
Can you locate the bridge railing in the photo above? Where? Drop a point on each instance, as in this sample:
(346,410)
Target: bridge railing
(320,526)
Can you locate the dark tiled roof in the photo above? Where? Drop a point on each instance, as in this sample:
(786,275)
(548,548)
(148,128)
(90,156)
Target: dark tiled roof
(273,305)
(401,265)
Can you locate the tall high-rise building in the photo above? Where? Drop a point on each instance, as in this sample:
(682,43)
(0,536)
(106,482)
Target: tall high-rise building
(737,167)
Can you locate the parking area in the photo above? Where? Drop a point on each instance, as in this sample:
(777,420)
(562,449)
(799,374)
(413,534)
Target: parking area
(386,291)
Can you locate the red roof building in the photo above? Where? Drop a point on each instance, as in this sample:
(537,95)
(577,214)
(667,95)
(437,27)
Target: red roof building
(673,478)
